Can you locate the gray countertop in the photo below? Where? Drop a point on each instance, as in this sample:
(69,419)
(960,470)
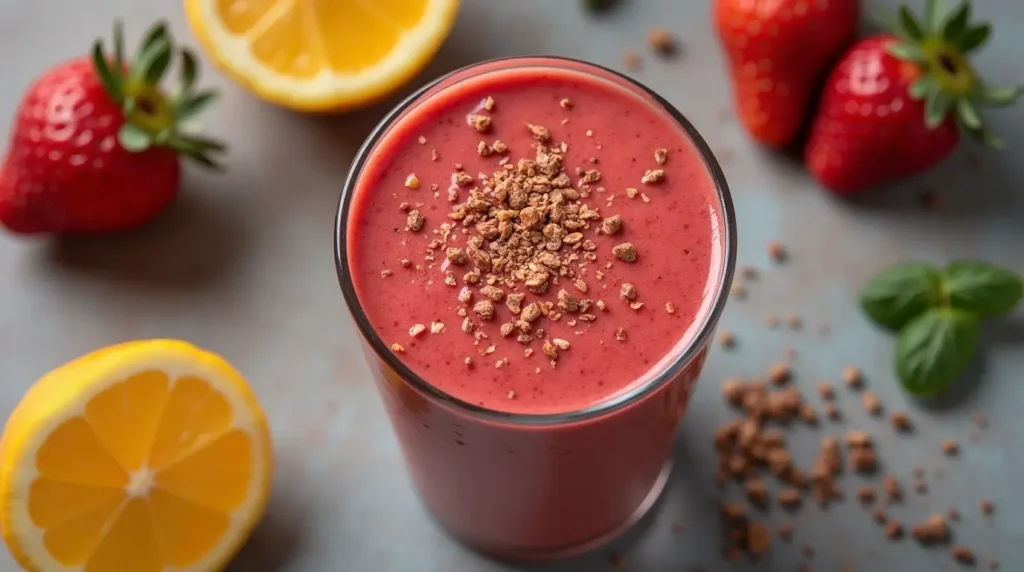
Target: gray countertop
(242,264)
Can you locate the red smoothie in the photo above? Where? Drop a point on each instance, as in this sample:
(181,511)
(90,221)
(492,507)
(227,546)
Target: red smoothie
(536,250)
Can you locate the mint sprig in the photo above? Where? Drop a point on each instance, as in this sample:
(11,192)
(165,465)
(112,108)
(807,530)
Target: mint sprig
(937,315)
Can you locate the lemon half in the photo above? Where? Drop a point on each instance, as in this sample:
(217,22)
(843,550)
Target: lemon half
(146,456)
(322,55)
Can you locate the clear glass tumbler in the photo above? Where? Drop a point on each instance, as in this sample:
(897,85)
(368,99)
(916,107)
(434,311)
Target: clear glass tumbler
(537,487)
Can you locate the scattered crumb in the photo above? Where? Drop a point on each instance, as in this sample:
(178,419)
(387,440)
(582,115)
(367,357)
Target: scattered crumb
(632,61)
(932,530)
(653,176)
(660,156)
(901,421)
(950,447)
(980,420)
(566,103)
(786,532)
(398,348)
(777,251)
(987,507)
(953,514)
(853,377)
(879,515)
(737,290)
(662,41)
(894,530)
(780,373)
(748,272)
(412,181)
(726,338)
(481,123)
(772,321)
(670,307)
(826,391)
(866,495)
(832,411)
(794,322)
(962,554)
(871,403)
(892,489)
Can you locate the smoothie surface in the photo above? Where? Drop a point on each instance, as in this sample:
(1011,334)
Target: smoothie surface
(415,296)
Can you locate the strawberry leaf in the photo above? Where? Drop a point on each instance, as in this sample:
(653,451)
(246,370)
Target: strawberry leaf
(956,23)
(908,52)
(111,82)
(119,46)
(994,96)
(967,113)
(189,70)
(133,138)
(975,38)
(195,105)
(922,87)
(937,107)
(934,11)
(910,25)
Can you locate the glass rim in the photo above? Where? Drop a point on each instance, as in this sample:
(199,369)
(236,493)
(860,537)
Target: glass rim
(626,398)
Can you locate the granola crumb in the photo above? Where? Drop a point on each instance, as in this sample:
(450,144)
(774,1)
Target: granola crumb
(832,411)
(866,495)
(953,514)
(434,155)
(625,252)
(826,391)
(489,103)
(611,225)
(772,321)
(871,403)
(901,421)
(780,373)
(422,140)
(932,530)
(397,348)
(405,262)
(950,447)
(414,221)
(737,290)
(566,103)
(645,198)
(777,251)
(660,156)
(662,41)
(632,192)
(627,292)
(726,339)
(988,508)
(540,133)
(878,514)
(620,334)
(412,181)
(794,322)
(853,377)
(894,530)
(511,394)
(481,123)
(748,272)
(484,309)
(980,420)
(892,489)
(962,554)
(653,176)
(385,273)
(632,61)
(417,329)
(437,327)
(670,307)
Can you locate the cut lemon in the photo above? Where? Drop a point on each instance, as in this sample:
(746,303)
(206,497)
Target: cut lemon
(322,55)
(145,457)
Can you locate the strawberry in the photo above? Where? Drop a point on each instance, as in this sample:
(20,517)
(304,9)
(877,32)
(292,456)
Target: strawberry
(778,51)
(95,144)
(896,103)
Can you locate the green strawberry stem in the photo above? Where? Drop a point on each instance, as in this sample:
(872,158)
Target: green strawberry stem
(939,45)
(153,118)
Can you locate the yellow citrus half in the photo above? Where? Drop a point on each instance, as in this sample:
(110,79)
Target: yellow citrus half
(145,457)
(322,55)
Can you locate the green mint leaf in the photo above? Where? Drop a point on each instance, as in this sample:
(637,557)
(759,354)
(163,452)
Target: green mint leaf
(935,348)
(133,139)
(982,288)
(901,293)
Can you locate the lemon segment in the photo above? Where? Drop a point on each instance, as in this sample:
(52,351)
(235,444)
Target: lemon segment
(147,456)
(321,55)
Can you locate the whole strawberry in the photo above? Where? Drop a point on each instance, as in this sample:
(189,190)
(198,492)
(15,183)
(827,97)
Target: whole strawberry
(95,144)
(778,53)
(896,103)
